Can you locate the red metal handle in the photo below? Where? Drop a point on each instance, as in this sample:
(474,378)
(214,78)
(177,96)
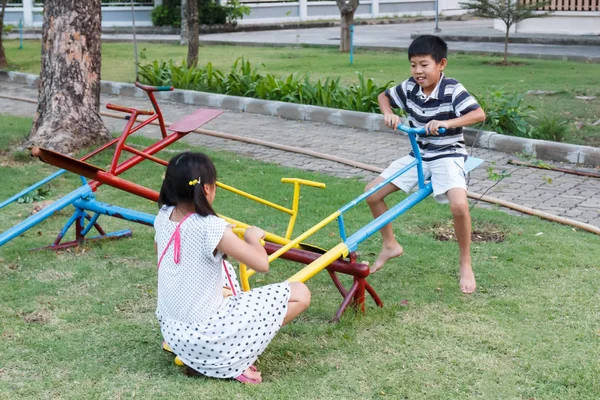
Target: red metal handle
(129,110)
(148,88)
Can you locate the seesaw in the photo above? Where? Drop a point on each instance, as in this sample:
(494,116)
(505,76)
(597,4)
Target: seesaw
(84,198)
(278,247)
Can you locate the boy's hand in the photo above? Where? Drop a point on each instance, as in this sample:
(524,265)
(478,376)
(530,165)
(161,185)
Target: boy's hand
(254,234)
(391,120)
(432,127)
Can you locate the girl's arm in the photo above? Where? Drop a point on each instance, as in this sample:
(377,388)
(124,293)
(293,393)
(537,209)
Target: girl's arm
(248,251)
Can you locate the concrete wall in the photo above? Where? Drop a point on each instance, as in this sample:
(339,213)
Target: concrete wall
(559,22)
(563,22)
(302,10)
(32,16)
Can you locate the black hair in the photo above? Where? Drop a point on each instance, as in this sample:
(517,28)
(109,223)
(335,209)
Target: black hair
(183,169)
(428,45)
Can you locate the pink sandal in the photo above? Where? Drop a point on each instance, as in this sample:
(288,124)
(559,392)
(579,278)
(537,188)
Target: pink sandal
(249,381)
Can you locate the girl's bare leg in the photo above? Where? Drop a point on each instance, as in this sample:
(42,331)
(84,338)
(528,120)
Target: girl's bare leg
(298,302)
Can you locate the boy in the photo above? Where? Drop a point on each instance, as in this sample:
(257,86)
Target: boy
(432,101)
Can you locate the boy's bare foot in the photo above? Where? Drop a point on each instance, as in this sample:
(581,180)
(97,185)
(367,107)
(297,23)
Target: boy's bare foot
(385,254)
(467,280)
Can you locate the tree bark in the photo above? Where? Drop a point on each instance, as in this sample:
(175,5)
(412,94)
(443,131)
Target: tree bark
(67,117)
(3,61)
(193,32)
(347,10)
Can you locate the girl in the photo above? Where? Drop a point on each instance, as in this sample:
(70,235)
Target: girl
(216,331)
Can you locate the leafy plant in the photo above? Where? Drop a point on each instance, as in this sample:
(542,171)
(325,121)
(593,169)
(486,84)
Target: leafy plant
(496,176)
(244,79)
(235,11)
(166,15)
(210,12)
(506,113)
(38,195)
(550,128)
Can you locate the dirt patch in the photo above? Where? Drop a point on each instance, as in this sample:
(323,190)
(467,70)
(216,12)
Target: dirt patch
(37,317)
(51,275)
(481,233)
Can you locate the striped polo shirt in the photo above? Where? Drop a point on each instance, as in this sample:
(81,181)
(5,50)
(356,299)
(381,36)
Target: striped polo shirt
(447,101)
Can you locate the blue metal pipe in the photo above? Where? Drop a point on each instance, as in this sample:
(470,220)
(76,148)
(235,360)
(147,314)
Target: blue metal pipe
(342,227)
(351,43)
(90,224)
(32,187)
(376,188)
(35,219)
(374,226)
(70,222)
(115,211)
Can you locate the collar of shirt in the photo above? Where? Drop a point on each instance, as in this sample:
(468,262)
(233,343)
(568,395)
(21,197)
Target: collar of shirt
(435,93)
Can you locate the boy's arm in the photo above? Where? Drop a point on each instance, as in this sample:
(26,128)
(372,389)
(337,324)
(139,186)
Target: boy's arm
(468,112)
(470,118)
(391,119)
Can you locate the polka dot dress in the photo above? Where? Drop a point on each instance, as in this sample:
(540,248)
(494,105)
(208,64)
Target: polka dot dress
(218,337)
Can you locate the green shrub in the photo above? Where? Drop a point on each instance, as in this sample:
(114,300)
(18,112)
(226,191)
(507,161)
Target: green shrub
(210,12)
(244,80)
(550,128)
(236,10)
(164,15)
(506,114)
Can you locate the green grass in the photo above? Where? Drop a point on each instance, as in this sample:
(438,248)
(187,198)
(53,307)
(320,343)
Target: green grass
(569,78)
(80,324)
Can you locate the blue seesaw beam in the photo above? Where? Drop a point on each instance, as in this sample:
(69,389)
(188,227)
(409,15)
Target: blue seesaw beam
(45,213)
(425,189)
(31,188)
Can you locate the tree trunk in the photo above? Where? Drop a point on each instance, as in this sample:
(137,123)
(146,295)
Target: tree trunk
(3,62)
(67,117)
(505,61)
(347,20)
(183,38)
(347,9)
(193,32)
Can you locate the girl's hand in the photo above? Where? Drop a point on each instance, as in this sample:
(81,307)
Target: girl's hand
(227,292)
(253,235)
(432,127)
(248,251)
(391,120)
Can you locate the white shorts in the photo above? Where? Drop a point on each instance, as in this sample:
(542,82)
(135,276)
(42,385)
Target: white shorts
(445,174)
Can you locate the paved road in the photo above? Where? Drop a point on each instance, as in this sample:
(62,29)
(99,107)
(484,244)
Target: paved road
(398,37)
(567,195)
(392,36)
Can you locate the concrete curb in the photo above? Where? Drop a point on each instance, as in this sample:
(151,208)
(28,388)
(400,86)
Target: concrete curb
(540,149)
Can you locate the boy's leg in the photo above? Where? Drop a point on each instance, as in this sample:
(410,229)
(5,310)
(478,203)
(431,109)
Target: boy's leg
(449,186)
(459,207)
(391,248)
